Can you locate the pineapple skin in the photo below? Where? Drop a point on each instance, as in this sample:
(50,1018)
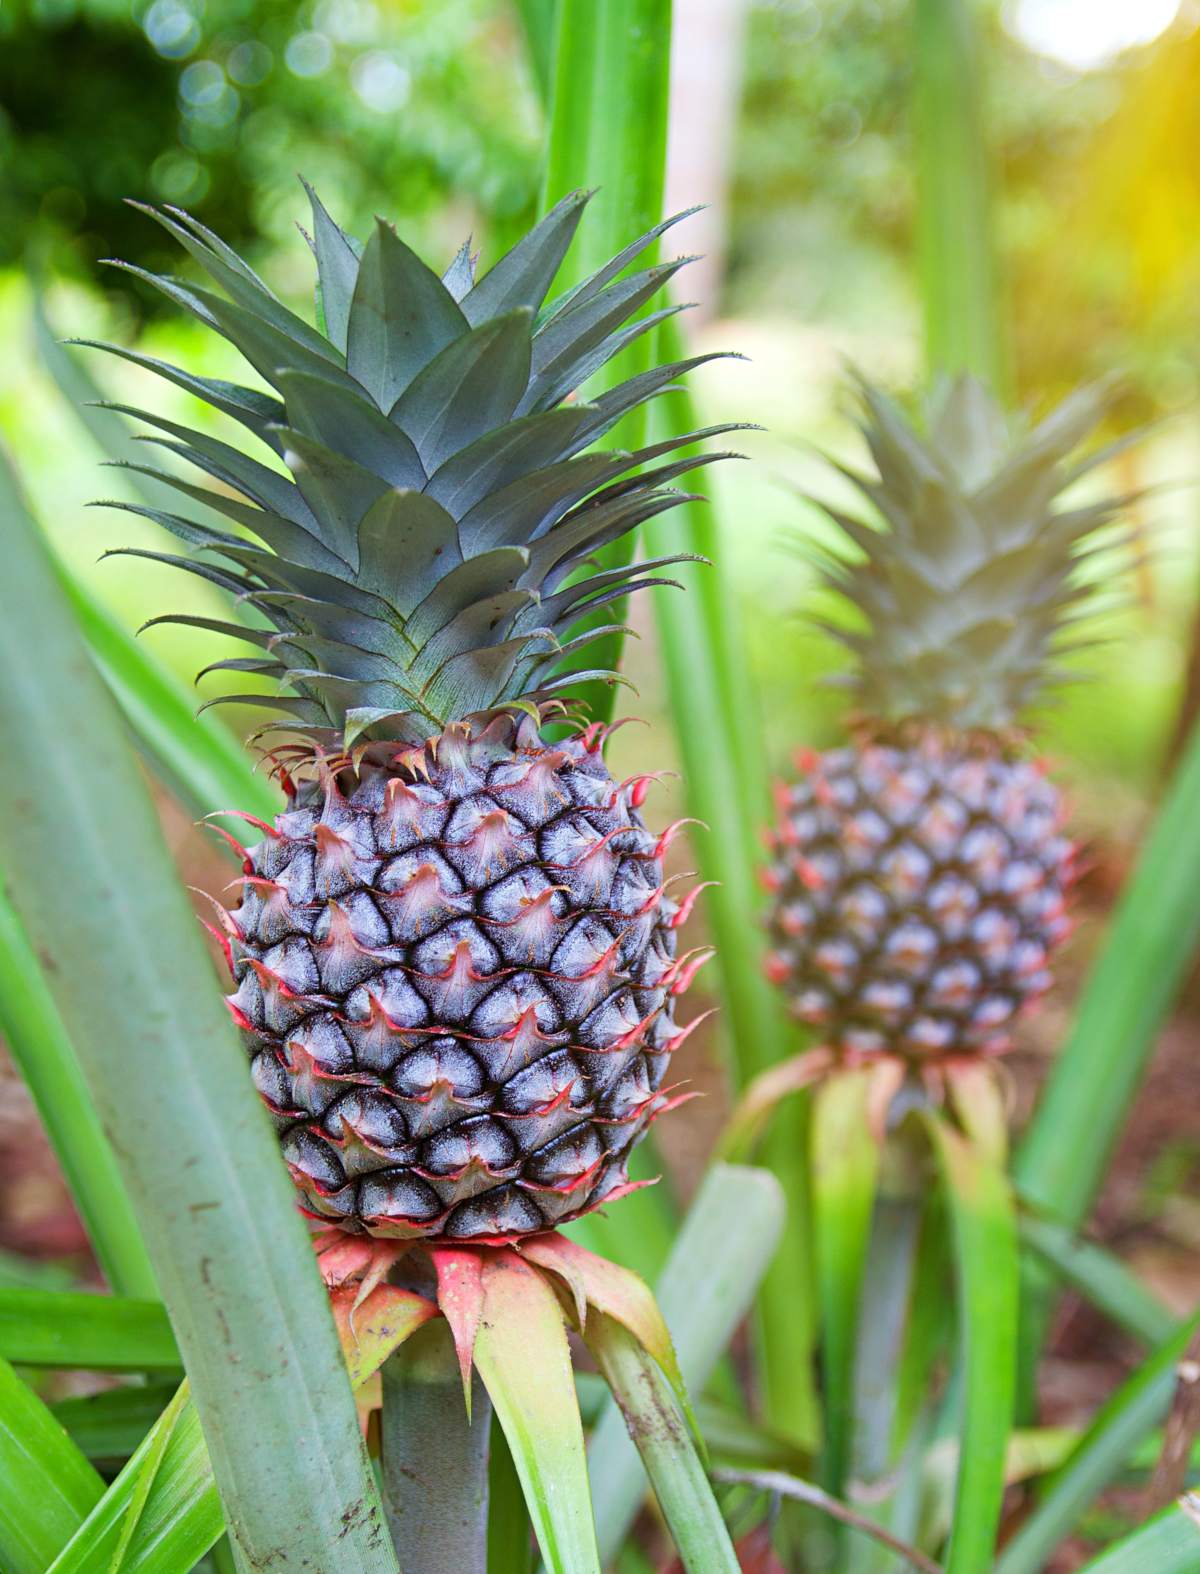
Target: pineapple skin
(456,983)
(919,891)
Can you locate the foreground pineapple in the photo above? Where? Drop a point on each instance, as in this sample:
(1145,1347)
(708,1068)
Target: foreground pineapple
(920,876)
(455,954)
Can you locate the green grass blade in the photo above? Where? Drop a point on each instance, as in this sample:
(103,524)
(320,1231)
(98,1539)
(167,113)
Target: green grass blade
(1167,1544)
(658,1427)
(1121,1424)
(39,1044)
(705,1290)
(954,233)
(985,1238)
(845,1169)
(111,1425)
(47,1487)
(98,1332)
(1151,942)
(94,887)
(522,1354)
(152,1459)
(167,1487)
(608,131)
(1101,1278)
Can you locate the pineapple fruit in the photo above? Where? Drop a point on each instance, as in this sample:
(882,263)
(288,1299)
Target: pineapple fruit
(455,954)
(919,877)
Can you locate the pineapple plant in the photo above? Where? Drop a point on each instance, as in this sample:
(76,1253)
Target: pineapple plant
(919,875)
(455,957)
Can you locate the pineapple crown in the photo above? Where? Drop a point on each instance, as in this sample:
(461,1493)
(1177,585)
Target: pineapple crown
(418,553)
(970,586)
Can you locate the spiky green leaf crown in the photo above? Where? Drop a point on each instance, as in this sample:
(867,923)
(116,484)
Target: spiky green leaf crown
(421,556)
(971,581)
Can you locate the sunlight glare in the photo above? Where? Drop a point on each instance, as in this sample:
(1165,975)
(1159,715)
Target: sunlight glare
(1084,34)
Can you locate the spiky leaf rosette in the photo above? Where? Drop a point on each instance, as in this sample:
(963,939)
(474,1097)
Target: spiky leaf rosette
(455,954)
(418,552)
(969,583)
(920,877)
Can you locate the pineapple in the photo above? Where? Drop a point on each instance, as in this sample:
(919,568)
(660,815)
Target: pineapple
(920,876)
(455,955)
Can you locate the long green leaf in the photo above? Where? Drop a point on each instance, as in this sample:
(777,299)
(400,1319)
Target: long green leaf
(160,1441)
(47,1487)
(1101,1278)
(167,1488)
(1167,1544)
(954,224)
(38,1043)
(660,1431)
(608,131)
(168,1482)
(1131,986)
(111,1424)
(522,1354)
(845,1167)
(98,1332)
(706,1289)
(986,1248)
(110,431)
(95,889)
(196,756)
(537,18)
(1128,992)
(1121,1424)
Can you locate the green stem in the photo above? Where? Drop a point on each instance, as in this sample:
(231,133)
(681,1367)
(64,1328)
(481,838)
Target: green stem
(608,130)
(887,1288)
(435,1458)
(658,1428)
(954,230)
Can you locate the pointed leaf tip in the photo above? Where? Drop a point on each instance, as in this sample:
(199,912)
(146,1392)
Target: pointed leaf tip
(460,1297)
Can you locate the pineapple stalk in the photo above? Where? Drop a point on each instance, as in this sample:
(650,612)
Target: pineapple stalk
(434,1456)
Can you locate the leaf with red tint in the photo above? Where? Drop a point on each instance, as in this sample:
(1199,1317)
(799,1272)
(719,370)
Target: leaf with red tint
(614,1290)
(460,1297)
(370,1332)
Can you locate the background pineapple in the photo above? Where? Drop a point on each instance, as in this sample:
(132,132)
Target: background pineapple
(919,876)
(455,952)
